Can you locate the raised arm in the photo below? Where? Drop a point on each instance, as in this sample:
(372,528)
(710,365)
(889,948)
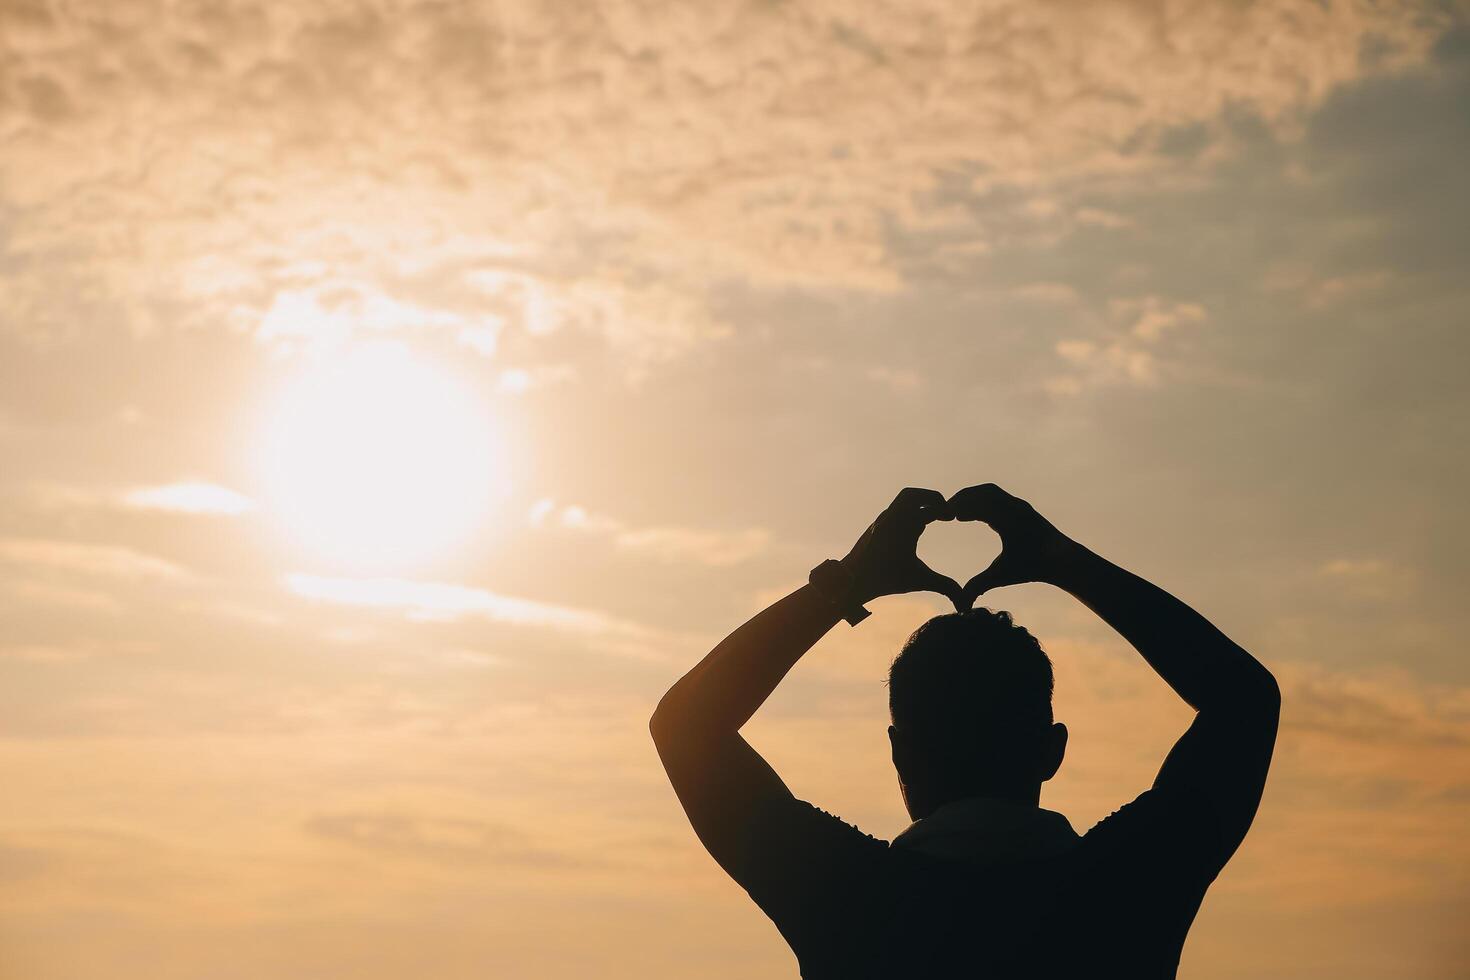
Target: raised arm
(725,787)
(1224,756)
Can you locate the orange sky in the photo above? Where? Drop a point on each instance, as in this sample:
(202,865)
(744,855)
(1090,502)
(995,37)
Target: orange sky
(396,397)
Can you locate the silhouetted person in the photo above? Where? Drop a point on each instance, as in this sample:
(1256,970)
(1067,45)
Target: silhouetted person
(984,883)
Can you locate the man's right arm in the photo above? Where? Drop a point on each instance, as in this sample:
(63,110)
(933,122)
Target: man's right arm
(1223,758)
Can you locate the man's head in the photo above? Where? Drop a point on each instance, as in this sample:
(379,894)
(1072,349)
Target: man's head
(970,696)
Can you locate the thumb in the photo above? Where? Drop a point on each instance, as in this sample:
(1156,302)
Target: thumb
(993,577)
(935,582)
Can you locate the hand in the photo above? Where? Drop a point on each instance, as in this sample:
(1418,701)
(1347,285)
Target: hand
(1031,549)
(885,560)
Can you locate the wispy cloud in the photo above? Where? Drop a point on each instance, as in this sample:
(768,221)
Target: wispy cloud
(434,838)
(442,601)
(190,498)
(519,380)
(1370,579)
(1127,353)
(855,239)
(91,559)
(775,143)
(675,544)
(666,543)
(1386,707)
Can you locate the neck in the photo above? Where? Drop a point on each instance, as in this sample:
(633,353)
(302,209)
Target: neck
(921,803)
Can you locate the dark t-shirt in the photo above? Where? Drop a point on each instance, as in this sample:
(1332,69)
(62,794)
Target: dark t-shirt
(1118,904)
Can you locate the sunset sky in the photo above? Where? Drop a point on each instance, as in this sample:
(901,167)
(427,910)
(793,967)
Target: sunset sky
(396,396)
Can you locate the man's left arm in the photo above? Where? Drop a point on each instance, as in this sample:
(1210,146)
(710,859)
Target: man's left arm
(736,802)
(721,781)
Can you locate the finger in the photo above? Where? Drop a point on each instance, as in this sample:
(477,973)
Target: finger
(963,600)
(985,503)
(932,581)
(995,576)
(979,498)
(918,502)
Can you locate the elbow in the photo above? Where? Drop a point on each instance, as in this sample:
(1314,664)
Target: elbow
(677,725)
(1272,687)
(1266,681)
(1273,691)
(1265,692)
(1251,691)
(663,722)
(658,726)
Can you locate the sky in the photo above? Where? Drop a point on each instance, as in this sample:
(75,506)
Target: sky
(397,396)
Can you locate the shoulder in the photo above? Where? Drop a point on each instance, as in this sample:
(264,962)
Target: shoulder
(1162,833)
(1158,807)
(817,832)
(812,873)
(797,847)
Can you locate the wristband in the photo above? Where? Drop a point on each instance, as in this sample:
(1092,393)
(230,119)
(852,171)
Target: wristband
(833,581)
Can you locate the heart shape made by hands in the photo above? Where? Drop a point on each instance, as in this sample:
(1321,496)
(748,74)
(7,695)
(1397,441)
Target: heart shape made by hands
(959,549)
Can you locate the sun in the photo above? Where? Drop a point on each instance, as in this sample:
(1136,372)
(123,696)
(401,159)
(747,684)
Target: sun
(380,459)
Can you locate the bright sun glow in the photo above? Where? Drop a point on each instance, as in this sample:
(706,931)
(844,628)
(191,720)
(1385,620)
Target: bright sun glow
(379,459)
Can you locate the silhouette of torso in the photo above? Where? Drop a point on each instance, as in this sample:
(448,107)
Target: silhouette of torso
(1116,901)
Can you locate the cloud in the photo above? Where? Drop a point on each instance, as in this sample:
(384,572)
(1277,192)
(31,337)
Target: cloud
(1152,316)
(1101,218)
(1353,567)
(42,654)
(452,841)
(679,544)
(1370,579)
(930,209)
(1129,353)
(441,601)
(1318,292)
(895,379)
(105,561)
(518,381)
(328,313)
(668,544)
(367,167)
(1387,707)
(190,498)
(51,594)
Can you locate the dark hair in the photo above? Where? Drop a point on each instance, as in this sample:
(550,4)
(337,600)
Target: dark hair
(972,685)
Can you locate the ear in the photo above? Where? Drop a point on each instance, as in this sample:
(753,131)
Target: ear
(1053,748)
(902,762)
(902,753)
